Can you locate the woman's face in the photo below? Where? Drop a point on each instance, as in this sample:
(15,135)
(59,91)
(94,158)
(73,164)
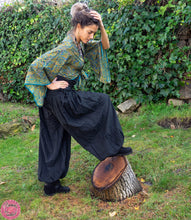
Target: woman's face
(86,33)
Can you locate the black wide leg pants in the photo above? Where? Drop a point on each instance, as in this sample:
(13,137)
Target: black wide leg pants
(89,118)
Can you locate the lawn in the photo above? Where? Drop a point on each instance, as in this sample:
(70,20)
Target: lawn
(160,160)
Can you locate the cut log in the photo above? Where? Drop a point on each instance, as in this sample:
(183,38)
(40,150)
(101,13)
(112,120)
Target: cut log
(114,180)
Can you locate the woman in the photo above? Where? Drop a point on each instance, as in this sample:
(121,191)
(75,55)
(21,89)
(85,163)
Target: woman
(89,118)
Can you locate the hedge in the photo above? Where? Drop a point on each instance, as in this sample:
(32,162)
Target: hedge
(145,60)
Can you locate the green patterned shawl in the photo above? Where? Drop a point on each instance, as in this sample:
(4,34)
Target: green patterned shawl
(65,61)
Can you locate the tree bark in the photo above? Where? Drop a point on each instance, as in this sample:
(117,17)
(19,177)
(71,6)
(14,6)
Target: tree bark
(114,180)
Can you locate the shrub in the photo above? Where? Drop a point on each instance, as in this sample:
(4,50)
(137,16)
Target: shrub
(27,31)
(145,60)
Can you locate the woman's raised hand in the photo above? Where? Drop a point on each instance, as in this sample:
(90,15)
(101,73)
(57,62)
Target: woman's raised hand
(97,16)
(104,37)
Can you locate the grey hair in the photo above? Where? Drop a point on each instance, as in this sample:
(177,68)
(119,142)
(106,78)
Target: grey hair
(77,7)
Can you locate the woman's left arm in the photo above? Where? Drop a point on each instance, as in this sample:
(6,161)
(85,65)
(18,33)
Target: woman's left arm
(104,36)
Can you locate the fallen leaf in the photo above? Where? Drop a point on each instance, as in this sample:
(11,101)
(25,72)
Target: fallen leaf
(1,183)
(144,193)
(33,127)
(136,208)
(141,129)
(142,180)
(112,214)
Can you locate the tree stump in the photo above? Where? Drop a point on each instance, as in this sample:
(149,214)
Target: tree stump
(114,180)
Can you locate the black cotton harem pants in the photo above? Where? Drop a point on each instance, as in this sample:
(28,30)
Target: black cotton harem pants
(89,118)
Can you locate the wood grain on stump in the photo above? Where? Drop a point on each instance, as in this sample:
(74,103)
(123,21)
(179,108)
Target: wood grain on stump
(114,180)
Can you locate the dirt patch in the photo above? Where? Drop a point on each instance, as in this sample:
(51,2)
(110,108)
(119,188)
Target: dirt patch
(175,123)
(133,202)
(76,205)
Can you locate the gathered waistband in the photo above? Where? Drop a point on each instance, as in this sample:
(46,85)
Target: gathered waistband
(71,82)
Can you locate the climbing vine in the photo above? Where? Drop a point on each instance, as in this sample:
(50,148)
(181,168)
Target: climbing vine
(145,60)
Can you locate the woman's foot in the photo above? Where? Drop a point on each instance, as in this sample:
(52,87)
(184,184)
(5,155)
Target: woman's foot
(55,187)
(125,151)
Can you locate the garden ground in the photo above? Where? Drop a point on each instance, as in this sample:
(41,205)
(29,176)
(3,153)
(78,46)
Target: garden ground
(161,162)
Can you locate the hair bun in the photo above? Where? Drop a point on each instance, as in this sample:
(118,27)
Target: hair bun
(77,7)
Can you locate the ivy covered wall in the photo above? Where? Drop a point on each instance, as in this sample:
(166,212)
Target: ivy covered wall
(146,59)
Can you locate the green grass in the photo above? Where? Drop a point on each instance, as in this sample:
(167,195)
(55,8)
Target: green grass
(11,111)
(161,158)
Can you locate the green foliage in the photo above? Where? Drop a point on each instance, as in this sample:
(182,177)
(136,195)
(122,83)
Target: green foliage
(26,32)
(145,61)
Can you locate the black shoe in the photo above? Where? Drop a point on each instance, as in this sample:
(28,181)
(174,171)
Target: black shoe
(52,188)
(125,151)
